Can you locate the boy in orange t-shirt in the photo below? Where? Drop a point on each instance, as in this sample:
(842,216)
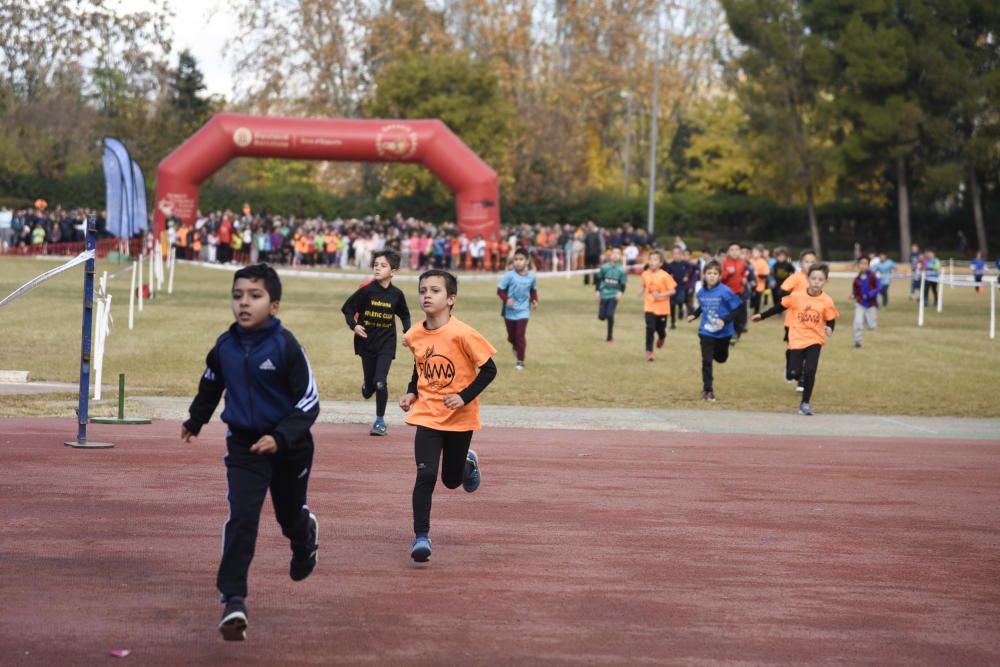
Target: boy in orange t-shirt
(442,399)
(811,316)
(657,288)
(794,283)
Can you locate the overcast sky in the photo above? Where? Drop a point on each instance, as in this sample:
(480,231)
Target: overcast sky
(202,27)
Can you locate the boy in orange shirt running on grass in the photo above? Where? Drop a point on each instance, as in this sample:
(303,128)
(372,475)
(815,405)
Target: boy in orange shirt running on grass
(811,317)
(797,282)
(657,288)
(442,399)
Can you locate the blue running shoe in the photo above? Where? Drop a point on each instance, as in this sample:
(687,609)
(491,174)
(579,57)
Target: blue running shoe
(378,428)
(420,551)
(804,409)
(472,477)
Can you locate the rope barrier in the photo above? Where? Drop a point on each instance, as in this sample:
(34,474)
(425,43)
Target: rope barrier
(51,273)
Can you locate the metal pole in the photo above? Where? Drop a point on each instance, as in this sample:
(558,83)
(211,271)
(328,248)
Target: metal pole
(628,139)
(651,213)
(88,321)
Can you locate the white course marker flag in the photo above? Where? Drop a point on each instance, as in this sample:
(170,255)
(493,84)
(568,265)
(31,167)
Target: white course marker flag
(38,280)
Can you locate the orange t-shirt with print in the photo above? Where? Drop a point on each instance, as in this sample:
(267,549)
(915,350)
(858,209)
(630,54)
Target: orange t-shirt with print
(797,282)
(448,359)
(807,317)
(657,281)
(762,270)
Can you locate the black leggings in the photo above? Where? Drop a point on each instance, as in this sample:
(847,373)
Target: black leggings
(676,310)
(803,364)
(430,446)
(712,349)
(606,312)
(740,320)
(657,323)
(376,371)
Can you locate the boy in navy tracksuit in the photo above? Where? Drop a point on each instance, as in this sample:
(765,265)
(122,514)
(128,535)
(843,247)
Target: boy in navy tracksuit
(271,401)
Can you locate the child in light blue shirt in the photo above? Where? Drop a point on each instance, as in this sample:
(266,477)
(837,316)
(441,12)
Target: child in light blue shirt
(519,293)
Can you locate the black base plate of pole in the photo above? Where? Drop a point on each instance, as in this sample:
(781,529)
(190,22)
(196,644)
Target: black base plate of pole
(88,445)
(123,420)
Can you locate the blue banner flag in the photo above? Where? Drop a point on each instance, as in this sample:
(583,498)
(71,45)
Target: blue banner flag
(114,191)
(141,215)
(127,227)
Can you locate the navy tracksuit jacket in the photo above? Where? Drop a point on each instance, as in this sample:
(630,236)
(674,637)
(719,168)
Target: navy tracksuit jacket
(270,390)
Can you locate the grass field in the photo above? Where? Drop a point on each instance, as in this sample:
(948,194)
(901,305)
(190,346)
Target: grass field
(948,367)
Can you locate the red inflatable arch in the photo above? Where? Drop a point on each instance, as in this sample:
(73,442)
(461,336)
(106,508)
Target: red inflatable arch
(428,142)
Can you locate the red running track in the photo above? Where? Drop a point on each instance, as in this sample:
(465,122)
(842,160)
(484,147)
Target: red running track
(581,547)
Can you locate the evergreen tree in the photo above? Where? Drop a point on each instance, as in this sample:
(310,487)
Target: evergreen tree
(184,93)
(785,103)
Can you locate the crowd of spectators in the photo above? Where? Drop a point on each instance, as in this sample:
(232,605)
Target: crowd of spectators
(38,226)
(349,243)
(226,236)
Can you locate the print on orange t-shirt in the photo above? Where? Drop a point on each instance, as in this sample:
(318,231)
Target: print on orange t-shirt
(448,359)
(797,282)
(658,281)
(807,317)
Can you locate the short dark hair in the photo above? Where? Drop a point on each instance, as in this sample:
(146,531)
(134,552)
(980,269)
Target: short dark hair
(264,273)
(781,250)
(733,243)
(450,281)
(712,264)
(822,268)
(390,255)
(863,258)
(522,252)
(808,251)
(657,252)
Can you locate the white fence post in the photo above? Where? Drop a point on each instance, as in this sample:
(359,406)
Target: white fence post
(131,298)
(139,280)
(920,308)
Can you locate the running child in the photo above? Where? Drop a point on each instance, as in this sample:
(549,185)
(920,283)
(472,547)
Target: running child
(884,270)
(609,285)
(442,399)
(657,288)
(978,266)
(271,402)
(864,293)
(811,316)
(519,293)
(371,314)
(932,275)
(762,271)
(678,270)
(717,306)
(734,276)
(797,282)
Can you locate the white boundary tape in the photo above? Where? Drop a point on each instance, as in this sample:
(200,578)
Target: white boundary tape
(492,276)
(51,273)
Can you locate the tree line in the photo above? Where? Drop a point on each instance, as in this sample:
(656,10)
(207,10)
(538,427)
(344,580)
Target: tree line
(837,113)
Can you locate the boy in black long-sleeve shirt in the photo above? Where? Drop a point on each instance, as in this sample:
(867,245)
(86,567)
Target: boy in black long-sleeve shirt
(371,314)
(271,402)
